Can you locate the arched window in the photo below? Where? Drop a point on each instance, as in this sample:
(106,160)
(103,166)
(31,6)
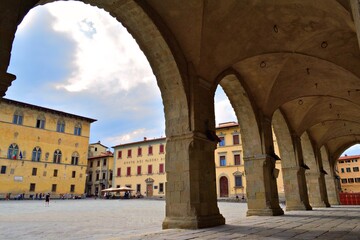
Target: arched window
(36,154)
(13,151)
(75,158)
(18,117)
(77,129)
(57,156)
(40,121)
(60,126)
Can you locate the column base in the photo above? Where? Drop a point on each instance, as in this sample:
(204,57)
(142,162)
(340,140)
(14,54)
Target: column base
(265,212)
(299,208)
(193,222)
(321,205)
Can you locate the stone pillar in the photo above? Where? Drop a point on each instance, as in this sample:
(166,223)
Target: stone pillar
(332,189)
(191,200)
(317,189)
(261,188)
(295,189)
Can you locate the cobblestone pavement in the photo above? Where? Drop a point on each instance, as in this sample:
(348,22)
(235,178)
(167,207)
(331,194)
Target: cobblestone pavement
(142,219)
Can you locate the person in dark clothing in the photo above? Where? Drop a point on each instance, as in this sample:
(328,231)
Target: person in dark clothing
(47,199)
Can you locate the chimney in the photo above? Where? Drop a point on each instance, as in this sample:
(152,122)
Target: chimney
(144,138)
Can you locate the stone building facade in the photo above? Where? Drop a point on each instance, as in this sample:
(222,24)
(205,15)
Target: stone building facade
(42,150)
(99,169)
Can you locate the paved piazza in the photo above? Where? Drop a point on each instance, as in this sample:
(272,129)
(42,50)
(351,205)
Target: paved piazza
(141,219)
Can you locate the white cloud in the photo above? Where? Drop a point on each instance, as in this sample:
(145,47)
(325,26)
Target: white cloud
(353,150)
(133,136)
(223,109)
(107,58)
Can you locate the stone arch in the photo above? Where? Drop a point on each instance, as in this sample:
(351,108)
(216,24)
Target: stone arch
(314,177)
(164,56)
(293,174)
(241,103)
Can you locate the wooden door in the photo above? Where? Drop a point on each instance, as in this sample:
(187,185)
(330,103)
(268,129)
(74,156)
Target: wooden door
(149,190)
(224,187)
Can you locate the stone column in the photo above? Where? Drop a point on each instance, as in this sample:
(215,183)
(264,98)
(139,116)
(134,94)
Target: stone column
(191,200)
(261,188)
(332,189)
(295,182)
(317,189)
(295,189)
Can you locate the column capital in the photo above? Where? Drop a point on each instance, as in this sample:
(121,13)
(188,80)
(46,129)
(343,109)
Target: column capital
(5,82)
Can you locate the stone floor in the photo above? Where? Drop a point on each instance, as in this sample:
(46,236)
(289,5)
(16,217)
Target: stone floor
(141,219)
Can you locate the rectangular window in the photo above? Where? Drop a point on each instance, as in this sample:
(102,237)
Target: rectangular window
(111,176)
(77,131)
(104,175)
(72,188)
(161,187)
(104,162)
(357,180)
(222,161)
(32,187)
(138,170)
(18,119)
(91,164)
(355,169)
(3,169)
(129,153)
(344,180)
(139,151)
(150,169)
(342,170)
(55,172)
(138,188)
(128,171)
(236,139)
(150,150)
(34,171)
(350,180)
(40,123)
(98,163)
(161,168)
(90,176)
(119,172)
(53,188)
(237,159)
(238,181)
(348,169)
(222,141)
(161,148)
(119,154)
(97,177)
(73,174)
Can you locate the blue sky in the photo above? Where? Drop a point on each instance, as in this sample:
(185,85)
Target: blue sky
(76,58)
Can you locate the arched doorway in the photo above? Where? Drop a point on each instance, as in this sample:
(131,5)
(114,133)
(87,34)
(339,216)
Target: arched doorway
(224,187)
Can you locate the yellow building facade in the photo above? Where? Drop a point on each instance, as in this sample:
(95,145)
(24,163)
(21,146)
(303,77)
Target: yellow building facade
(42,150)
(140,165)
(348,170)
(99,170)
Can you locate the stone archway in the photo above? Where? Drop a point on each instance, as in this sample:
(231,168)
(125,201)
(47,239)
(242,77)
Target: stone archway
(296,194)
(256,136)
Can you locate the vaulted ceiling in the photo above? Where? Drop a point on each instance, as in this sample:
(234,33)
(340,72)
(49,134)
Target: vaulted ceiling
(299,56)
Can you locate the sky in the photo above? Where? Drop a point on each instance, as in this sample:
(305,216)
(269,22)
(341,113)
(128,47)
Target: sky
(72,57)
